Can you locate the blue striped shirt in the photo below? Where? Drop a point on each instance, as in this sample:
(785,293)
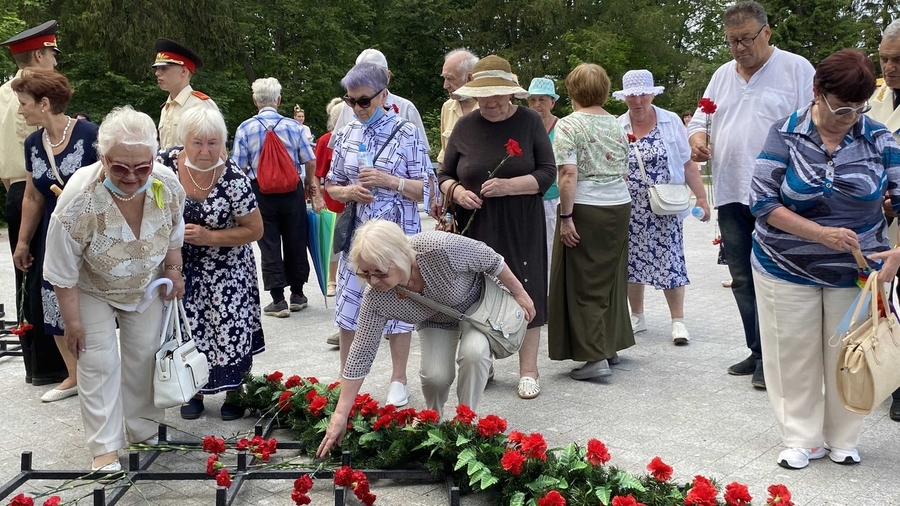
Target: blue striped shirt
(249,137)
(844,189)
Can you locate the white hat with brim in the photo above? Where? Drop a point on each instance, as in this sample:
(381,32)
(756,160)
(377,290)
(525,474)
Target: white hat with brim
(637,82)
(492,76)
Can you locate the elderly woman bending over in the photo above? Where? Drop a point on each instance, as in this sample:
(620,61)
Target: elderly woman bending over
(116,228)
(443,267)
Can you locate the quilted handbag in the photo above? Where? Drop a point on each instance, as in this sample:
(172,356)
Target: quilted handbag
(665,199)
(868,364)
(497,315)
(181,369)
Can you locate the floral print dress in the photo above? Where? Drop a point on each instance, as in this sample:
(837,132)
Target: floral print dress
(221,290)
(655,243)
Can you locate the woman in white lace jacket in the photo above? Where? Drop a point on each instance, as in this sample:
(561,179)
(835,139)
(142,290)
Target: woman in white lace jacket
(117,227)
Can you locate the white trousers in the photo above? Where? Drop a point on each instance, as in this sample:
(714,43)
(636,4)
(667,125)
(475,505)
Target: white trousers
(795,325)
(116,391)
(440,348)
(550,221)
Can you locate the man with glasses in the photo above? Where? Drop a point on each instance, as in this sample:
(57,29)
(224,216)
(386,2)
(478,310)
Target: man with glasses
(761,85)
(884,110)
(284,214)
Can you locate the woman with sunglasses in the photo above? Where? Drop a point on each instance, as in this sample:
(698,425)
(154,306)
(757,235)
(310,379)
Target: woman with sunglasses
(446,268)
(117,227)
(816,195)
(389,189)
(43,96)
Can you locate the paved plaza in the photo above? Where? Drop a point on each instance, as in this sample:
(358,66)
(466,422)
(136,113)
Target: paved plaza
(675,402)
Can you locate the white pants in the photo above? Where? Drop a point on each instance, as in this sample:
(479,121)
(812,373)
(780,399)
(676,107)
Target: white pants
(550,220)
(795,325)
(470,350)
(109,392)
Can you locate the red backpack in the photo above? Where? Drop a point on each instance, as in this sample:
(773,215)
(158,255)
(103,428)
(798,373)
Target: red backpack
(276,172)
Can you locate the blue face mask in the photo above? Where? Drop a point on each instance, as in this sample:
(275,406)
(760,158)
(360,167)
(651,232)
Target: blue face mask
(379,112)
(111,187)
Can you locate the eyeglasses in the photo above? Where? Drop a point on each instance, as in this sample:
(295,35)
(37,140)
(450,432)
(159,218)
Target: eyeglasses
(363,102)
(121,170)
(746,42)
(374,274)
(843,111)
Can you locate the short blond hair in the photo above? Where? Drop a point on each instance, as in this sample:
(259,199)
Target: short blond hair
(383,244)
(588,85)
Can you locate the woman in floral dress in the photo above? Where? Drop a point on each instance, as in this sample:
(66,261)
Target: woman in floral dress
(221,288)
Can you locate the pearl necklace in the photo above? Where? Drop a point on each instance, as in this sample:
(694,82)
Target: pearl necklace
(211,183)
(65,132)
(121,198)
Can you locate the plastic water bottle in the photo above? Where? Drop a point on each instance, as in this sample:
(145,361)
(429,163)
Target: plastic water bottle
(698,212)
(365,158)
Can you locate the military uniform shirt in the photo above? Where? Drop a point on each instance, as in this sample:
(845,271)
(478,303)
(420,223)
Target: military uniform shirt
(171,114)
(13,132)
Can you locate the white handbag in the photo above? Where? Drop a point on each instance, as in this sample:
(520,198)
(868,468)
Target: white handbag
(665,199)
(181,369)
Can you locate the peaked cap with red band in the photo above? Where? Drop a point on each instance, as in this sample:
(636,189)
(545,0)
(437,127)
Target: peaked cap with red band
(39,37)
(169,52)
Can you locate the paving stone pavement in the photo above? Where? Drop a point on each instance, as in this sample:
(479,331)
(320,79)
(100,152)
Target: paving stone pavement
(675,402)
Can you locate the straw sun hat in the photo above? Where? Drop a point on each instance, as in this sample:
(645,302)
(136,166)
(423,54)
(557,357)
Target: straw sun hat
(492,76)
(637,82)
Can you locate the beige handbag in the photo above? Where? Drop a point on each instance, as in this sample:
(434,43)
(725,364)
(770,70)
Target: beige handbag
(868,364)
(665,199)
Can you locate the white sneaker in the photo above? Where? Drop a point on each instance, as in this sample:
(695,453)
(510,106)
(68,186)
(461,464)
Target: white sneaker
(680,334)
(398,395)
(844,457)
(798,458)
(638,324)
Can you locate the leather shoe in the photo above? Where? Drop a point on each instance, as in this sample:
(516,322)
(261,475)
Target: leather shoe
(759,377)
(594,369)
(895,410)
(614,360)
(744,367)
(193,409)
(55,394)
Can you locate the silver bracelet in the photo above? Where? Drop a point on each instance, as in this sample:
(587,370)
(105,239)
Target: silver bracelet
(400,185)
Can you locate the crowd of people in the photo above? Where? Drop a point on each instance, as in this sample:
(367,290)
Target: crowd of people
(557,210)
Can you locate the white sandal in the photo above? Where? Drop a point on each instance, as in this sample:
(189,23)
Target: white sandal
(528,387)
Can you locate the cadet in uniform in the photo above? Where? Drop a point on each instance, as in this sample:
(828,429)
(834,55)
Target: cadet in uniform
(175,65)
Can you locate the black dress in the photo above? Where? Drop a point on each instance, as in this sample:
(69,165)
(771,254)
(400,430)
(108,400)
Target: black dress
(512,225)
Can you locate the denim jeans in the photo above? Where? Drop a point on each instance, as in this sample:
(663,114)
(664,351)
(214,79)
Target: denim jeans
(736,226)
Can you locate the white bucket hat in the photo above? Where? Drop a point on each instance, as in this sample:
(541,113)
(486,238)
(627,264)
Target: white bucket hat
(637,82)
(492,76)
(542,86)
(372,56)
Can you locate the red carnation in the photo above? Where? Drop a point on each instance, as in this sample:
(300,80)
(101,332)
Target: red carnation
(516,437)
(318,404)
(707,106)
(343,477)
(736,494)
(243,444)
(21,500)
(513,461)
(275,377)
(312,380)
(382,422)
(535,446)
(284,400)
(632,138)
(779,496)
(300,499)
(491,425)
(212,463)
(428,416)
(53,500)
(405,417)
(223,479)
(464,414)
(334,385)
(661,471)
(702,493)
(553,498)
(303,484)
(293,381)
(597,454)
(395,108)
(628,500)
(512,148)
(213,445)
(311,394)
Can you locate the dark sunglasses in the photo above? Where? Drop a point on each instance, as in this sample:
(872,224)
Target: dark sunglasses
(363,102)
(374,274)
(120,170)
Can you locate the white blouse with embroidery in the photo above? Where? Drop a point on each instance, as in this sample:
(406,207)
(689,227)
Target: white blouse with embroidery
(90,245)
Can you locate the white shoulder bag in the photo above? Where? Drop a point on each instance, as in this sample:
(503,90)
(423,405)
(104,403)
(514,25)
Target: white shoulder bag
(665,199)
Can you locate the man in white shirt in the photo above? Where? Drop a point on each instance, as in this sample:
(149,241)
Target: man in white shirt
(761,85)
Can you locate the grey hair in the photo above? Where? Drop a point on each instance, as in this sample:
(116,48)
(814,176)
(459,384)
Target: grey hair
(740,12)
(383,243)
(366,75)
(202,121)
(266,91)
(467,59)
(892,31)
(333,110)
(124,126)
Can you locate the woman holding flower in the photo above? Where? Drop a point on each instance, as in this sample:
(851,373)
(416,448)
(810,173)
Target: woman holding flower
(588,284)
(497,187)
(656,243)
(117,227)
